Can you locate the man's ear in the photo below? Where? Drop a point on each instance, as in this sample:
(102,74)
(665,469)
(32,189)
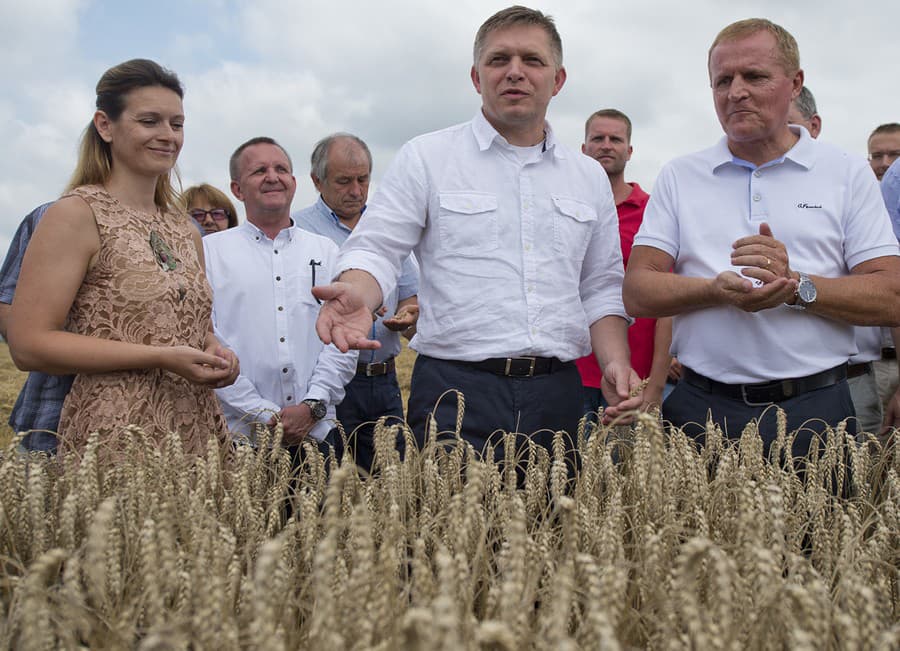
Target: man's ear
(316,182)
(476,80)
(236,190)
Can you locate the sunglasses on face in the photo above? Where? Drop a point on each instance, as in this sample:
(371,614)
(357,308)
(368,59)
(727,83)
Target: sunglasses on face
(219,214)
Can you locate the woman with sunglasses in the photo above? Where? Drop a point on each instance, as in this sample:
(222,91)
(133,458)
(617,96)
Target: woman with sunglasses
(112,287)
(210,208)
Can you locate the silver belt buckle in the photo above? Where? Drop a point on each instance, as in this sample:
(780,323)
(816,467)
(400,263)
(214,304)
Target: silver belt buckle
(747,401)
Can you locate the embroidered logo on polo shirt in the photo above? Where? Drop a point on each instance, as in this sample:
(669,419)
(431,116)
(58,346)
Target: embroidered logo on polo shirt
(811,206)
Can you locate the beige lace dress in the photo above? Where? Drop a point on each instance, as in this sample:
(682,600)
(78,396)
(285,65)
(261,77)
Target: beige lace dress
(146,286)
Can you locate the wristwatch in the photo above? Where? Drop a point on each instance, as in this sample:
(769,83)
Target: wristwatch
(316,408)
(805,294)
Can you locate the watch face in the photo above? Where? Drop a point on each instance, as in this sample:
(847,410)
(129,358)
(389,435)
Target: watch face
(807,292)
(316,408)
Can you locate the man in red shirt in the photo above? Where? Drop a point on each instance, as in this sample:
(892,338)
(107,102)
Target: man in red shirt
(607,139)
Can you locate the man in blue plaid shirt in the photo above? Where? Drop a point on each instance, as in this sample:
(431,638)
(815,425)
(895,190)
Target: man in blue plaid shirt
(37,408)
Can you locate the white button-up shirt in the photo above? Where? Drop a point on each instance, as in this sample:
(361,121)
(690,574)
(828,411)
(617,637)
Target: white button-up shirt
(318,218)
(822,203)
(264,310)
(518,250)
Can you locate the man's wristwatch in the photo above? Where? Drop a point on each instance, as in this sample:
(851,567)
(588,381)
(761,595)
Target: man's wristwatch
(316,408)
(805,294)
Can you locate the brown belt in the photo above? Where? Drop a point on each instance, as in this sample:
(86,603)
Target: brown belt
(376,368)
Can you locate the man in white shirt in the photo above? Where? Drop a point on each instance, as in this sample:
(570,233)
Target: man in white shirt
(261,274)
(340,168)
(779,244)
(517,240)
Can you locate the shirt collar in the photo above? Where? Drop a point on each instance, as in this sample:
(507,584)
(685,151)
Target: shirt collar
(259,236)
(328,212)
(486,134)
(803,153)
(637,195)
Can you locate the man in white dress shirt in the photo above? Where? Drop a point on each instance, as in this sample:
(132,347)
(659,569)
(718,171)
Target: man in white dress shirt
(517,241)
(261,274)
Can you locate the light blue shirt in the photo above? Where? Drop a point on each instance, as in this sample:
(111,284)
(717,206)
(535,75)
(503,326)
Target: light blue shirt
(890,190)
(319,218)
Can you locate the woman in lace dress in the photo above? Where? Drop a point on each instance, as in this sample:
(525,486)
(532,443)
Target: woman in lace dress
(112,287)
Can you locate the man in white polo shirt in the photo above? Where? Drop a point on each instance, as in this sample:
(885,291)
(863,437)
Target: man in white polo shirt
(779,243)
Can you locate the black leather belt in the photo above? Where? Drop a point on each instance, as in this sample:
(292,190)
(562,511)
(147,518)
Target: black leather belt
(888,353)
(376,368)
(520,366)
(763,393)
(855,370)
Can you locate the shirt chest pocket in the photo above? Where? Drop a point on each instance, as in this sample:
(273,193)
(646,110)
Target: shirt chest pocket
(468,222)
(573,224)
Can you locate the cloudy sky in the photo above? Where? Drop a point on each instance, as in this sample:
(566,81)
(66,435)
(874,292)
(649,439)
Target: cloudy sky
(389,70)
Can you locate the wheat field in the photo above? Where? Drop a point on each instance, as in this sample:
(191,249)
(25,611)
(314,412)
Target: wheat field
(656,544)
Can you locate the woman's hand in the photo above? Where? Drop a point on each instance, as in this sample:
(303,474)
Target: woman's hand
(197,366)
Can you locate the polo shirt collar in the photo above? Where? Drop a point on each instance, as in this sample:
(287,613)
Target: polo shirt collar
(486,134)
(803,153)
(637,195)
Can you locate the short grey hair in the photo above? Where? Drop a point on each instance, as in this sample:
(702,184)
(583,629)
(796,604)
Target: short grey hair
(806,103)
(318,162)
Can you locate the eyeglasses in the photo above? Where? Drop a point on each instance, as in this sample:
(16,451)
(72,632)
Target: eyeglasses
(890,155)
(219,214)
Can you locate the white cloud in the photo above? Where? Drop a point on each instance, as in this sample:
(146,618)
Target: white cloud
(393,69)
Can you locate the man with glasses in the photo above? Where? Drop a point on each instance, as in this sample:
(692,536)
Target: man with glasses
(261,273)
(340,169)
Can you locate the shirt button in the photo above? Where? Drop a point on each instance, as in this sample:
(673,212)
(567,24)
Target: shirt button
(284,370)
(281,339)
(757,173)
(756,197)
(289,398)
(281,308)
(277,277)
(276,251)
(528,247)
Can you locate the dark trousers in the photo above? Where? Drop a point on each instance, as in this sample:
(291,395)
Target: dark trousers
(810,413)
(368,399)
(534,407)
(332,441)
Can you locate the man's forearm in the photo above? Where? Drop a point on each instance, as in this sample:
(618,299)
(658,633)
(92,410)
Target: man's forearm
(365,286)
(609,341)
(656,294)
(865,299)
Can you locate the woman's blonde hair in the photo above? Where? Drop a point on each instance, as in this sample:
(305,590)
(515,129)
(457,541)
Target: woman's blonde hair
(94,154)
